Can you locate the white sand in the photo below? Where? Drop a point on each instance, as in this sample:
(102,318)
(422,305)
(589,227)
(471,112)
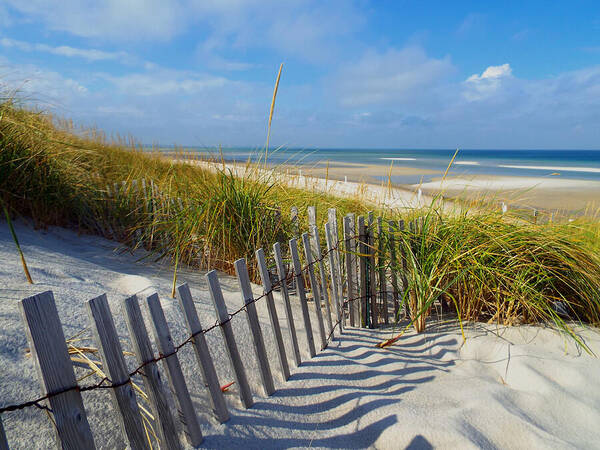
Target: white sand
(509,183)
(522,387)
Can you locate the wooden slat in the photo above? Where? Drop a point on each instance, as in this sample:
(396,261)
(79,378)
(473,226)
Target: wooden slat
(393,230)
(207,367)
(295,221)
(257,338)
(374,319)
(312,222)
(183,400)
(282,279)
(314,287)
(362,250)
(404,266)
(232,350)
(334,273)
(384,310)
(302,296)
(155,389)
(323,277)
(49,351)
(268,291)
(115,368)
(3,440)
(350,248)
(294,218)
(332,219)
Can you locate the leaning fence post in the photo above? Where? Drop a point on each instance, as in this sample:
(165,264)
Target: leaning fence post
(205,362)
(281,274)
(364,276)
(394,265)
(302,295)
(324,292)
(257,338)
(157,396)
(225,321)
(350,248)
(268,291)
(295,232)
(372,277)
(312,222)
(49,350)
(115,368)
(164,342)
(404,265)
(332,215)
(314,287)
(382,270)
(294,220)
(334,271)
(3,440)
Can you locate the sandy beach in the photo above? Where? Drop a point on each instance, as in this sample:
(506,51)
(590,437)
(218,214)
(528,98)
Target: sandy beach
(550,193)
(370,182)
(521,387)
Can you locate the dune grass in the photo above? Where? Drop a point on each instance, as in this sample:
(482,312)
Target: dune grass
(56,174)
(497,269)
(489,267)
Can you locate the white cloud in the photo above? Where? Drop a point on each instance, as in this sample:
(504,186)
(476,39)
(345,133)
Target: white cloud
(166,82)
(64,50)
(108,19)
(390,77)
(41,87)
(479,87)
(307,29)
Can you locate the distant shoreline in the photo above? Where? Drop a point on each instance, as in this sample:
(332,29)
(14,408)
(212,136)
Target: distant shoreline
(542,192)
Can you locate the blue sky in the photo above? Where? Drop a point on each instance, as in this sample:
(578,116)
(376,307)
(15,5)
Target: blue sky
(395,74)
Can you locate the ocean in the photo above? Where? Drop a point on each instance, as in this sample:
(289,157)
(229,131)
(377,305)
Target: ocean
(571,164)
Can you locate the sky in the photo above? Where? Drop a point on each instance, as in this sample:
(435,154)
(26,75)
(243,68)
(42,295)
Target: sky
(360,74)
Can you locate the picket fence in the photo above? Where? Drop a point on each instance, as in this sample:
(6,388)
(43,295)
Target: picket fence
(348,283)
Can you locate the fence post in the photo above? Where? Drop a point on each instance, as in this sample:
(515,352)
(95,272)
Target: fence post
(49,351)
(257,338)
(302,295)
(157,396)
(318,256)
(205,362)
(234,355)
(404,265)
(332,213)
(312,222)
(115,368)
(295,232)
(372,273)
(294,220)
(364,276)
(3,440)
(281,274)
(314,287)
(164,342)
(382,270)
(394,265)
(350,248)
(334,271)
(268,291)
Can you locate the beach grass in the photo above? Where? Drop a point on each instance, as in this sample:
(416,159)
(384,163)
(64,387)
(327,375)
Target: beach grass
(497,269)
(489,267)
(56,174)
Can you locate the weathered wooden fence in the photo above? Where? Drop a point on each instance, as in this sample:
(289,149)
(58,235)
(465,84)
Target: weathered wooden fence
(356,280)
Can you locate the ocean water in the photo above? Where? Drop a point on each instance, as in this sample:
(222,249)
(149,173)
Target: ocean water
(572,164)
